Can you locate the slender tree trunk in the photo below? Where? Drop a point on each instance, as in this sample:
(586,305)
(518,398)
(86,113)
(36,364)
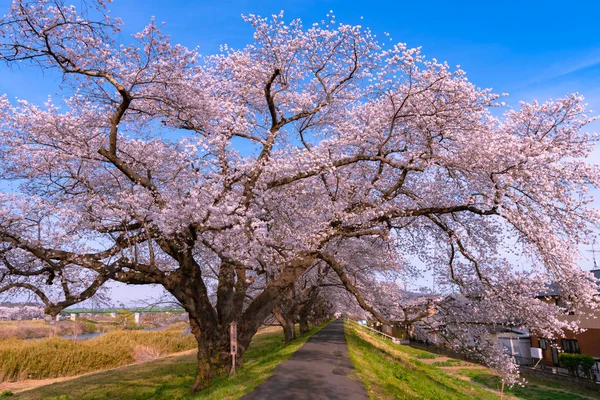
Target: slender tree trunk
(287,323)
(289,330)
(304,324)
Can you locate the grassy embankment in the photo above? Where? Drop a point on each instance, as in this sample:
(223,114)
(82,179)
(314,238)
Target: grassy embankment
(172,377)
(535,389)
(56,357)
(392,371)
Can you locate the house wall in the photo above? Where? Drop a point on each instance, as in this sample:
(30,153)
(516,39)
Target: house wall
(588,319)
(589,343)
(394,331)
(546,354)
(515,346)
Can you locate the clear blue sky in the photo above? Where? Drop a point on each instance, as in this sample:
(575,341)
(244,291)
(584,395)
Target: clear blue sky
(529,49)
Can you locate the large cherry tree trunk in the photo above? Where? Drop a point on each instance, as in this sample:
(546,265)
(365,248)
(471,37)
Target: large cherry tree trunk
(210,324)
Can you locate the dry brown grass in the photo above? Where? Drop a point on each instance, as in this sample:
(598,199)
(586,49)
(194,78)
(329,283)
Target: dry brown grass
(143,353)
(42,329)
(56,357)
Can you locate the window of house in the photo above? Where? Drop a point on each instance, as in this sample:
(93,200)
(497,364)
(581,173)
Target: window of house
(543,343)
(566,306)
(570,346)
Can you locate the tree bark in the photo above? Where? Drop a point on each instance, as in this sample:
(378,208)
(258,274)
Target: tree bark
(306,309)
(304,327)
(287,323)
(210,324)
(214,356)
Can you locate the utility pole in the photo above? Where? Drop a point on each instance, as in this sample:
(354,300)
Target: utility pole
(593,251)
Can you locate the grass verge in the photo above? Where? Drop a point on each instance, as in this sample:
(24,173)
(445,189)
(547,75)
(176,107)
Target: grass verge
(171,378)
(536,389)
(389,373)
(392,371)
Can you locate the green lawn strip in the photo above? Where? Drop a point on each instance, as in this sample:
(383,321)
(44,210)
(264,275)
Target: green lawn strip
(171,378)
(390,371)
(448,363)
(536,389)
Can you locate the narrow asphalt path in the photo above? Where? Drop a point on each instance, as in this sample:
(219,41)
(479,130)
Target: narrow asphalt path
(318,370)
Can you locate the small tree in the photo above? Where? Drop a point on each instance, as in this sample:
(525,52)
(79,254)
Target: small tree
(76,329)
(126,320)
(576,363)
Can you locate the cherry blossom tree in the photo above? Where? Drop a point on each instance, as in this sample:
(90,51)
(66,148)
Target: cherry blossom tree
(226,178)
(21,312)
(306,299)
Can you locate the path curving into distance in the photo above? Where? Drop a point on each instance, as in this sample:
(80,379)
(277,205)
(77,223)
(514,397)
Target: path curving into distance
(318,370)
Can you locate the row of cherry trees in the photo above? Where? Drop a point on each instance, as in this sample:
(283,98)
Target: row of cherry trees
(312,164)
(21,312)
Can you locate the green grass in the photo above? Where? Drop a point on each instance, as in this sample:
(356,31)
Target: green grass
(424,356)
(447,363)
(57,357)
(172,378)
(391,371)
(536,389)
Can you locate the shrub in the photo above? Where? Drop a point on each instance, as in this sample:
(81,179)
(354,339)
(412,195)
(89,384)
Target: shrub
(88,326)
(126,320)
(576,362)
(145,353)
(40,329)
(178,326)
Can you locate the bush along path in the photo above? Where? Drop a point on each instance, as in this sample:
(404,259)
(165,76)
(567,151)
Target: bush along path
(318,370)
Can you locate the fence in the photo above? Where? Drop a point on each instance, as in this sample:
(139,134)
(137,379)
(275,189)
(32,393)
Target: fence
(441,350)
(528,366)
(393,339)
(533,363)
(570,380)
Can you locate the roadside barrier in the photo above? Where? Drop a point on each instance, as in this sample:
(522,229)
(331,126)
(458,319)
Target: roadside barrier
(393,339)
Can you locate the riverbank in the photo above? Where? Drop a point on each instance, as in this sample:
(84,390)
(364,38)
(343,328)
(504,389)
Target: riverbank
(30,384)
(39,329)
(172,377)
(59,357)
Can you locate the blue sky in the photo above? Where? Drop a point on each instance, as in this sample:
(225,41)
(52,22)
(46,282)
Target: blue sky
(529,49)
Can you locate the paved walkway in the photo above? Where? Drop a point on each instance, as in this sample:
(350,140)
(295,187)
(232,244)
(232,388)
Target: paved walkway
(318,370)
